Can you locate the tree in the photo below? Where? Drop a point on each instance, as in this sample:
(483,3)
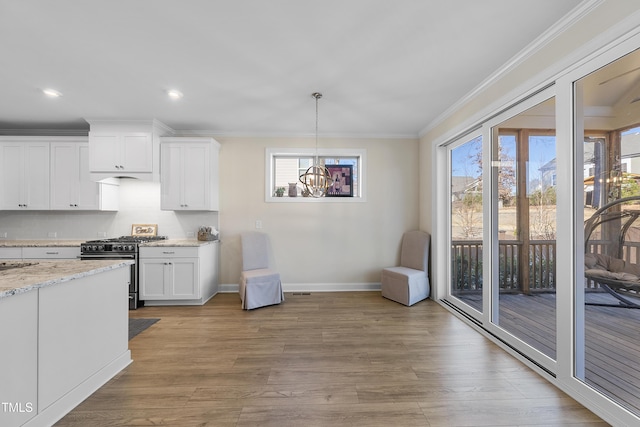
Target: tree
(506,175)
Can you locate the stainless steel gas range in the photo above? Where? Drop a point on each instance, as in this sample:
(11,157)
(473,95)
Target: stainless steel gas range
(124,247)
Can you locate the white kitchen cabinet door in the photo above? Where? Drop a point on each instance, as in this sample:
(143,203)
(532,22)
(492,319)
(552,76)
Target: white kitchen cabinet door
(88,192)
(71,188)
(196,177)
(121,152)
(171,195)
(184,282)
(189,174)
(64,172)
(24,179)
(169,279)
(153,278)
(71,185)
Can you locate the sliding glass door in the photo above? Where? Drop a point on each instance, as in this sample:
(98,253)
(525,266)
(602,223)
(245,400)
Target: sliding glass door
(524,211)
(466,223)
(502,227)
(608,260)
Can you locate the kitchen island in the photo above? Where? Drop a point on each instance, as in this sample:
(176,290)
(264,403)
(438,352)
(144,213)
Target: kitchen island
(63,334)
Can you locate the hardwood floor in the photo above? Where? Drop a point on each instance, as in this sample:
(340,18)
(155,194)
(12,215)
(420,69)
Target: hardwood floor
(325,359)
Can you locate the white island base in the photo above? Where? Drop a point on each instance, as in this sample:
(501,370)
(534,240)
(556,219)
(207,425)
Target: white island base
(61,342)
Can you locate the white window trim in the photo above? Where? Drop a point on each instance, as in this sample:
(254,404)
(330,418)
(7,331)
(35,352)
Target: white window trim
(326,152)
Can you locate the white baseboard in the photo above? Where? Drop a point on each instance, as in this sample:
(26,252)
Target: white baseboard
(162,302)
(312,287)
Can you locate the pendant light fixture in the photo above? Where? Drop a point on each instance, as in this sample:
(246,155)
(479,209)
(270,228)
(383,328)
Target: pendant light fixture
(317,179)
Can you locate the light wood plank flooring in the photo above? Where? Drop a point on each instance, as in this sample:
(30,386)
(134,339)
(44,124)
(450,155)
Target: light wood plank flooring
(325,359)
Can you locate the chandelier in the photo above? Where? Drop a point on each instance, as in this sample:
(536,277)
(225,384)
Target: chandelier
(317,179)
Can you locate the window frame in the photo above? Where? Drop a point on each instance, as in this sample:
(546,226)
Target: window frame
(273,153)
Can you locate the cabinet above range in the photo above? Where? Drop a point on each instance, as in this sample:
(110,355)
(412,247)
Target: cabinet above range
(125,148)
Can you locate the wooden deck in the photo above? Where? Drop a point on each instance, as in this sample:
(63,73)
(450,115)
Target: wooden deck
(612,339)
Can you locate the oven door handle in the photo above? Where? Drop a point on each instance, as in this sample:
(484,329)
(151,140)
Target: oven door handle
(107,257)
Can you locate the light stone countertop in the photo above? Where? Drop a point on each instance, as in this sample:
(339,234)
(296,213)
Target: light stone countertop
(77,243)
(47,273)
(179,242)
(40,243)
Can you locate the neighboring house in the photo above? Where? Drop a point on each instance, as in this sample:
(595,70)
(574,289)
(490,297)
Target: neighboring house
(461,185)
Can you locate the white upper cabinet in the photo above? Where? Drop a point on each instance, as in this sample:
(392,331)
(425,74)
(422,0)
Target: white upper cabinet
(121,152)
(24,178)
(71,184)
(129,148)
(189,174)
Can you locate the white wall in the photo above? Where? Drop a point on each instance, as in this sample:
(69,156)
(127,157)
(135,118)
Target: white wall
(337,243)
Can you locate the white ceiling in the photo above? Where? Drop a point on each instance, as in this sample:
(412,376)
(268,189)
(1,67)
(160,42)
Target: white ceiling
(385,67)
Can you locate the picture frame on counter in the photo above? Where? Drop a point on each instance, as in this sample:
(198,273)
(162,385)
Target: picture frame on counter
(144,230)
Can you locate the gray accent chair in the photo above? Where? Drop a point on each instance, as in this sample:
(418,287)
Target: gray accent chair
(260,283)
(409,283)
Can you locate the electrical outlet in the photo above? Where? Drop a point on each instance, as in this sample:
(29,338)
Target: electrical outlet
(258,223)
(102,234)
(191,234)
(52,234)
(3,235)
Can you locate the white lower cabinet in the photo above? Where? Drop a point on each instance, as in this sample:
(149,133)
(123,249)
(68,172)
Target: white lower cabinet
(40,252)
(11,253)
(51,252)
(169,278)
(19,358)
(178,275)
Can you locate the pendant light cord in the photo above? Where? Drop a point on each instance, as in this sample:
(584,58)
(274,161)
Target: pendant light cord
(317,96)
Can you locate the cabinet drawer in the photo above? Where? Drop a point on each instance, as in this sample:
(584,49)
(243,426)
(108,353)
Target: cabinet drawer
(169,252)
(50,252)
(10,253)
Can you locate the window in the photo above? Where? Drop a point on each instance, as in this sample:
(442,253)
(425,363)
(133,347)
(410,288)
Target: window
(284,167)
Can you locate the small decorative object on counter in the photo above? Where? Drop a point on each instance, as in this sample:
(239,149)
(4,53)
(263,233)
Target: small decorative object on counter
(207,233)
(293,189)
(280,191)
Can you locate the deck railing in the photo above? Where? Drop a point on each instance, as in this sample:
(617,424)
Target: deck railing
(466,265)
(466,256)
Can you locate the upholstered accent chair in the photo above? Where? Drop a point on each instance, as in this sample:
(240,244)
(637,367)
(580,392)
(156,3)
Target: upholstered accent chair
(409,282)
(260,283)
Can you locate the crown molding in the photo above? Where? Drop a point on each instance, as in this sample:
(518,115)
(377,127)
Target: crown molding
(240,134)
(44,132)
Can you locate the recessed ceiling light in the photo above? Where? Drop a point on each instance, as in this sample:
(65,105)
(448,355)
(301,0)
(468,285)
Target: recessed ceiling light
(174,94)
(51,93)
